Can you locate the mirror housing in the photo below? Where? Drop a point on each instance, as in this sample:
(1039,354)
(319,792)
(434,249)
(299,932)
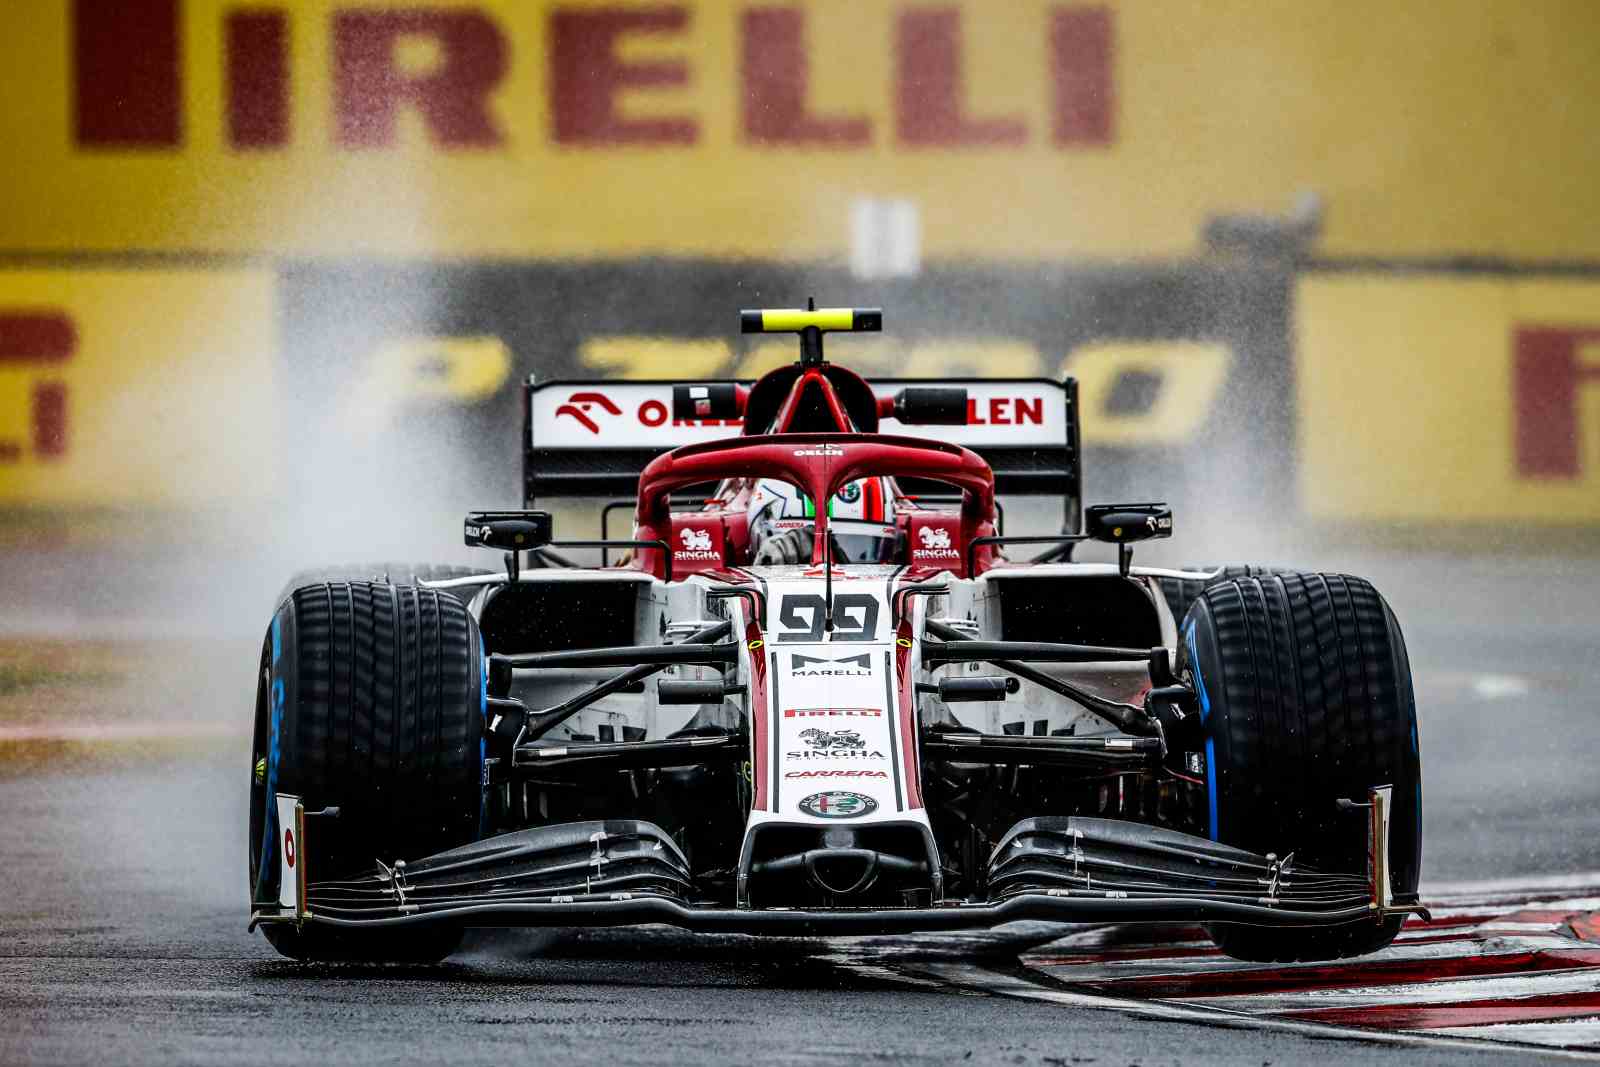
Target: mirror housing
(1123,524)
(713,400)
(930,405)
(691,691)
(960,690)
(513,531)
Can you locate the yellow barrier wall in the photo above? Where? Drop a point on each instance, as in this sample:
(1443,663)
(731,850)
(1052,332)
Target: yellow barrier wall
(1449,397)
(150,387)
(1021,129)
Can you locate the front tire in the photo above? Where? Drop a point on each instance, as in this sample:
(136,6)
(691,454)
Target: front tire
(370,700)
(1306,699)
(394,573)
(1180,593)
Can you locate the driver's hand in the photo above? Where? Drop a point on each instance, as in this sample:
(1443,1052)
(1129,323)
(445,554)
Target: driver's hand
(789,547)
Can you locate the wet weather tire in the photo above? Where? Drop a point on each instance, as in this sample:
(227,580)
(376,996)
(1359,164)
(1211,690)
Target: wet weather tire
(393,572)
(1306,699)
(370,700)
(1181,592)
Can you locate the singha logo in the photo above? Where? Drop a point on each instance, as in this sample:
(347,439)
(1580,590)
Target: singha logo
(935,544)
(696,546)
(825,739)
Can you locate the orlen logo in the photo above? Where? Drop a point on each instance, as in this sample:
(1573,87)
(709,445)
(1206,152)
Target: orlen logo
(579,405)
(590,409)
(824,450)
(1551,366)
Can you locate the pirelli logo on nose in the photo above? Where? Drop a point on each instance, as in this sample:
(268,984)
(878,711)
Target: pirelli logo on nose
(833,713)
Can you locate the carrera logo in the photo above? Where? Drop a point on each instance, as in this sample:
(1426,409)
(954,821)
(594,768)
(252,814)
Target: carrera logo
(836,774)
(579,405)
(818,666)
(808,713)
(838,804)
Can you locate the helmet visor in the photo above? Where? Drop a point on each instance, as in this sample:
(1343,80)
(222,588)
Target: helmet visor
(863,542)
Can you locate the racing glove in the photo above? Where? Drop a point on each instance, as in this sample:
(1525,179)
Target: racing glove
(789,547)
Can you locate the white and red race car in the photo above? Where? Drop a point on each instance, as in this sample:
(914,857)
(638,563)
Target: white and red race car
(814,694)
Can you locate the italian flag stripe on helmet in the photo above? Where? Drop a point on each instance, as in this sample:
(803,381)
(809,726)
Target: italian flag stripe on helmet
(872,503)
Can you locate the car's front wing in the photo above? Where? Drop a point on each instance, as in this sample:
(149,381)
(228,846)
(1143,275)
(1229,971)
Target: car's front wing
(626,872)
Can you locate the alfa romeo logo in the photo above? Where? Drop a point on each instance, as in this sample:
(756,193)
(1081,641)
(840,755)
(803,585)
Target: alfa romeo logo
(838,804)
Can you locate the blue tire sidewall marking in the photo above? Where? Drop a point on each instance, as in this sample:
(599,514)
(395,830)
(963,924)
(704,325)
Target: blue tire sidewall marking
(1205,712)
(1194,668)
(1211,783)
(483,736)
(269,834)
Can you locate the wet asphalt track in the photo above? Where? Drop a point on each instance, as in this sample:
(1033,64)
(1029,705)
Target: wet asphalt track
(122,928)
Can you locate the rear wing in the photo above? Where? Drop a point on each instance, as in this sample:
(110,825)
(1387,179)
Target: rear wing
(593,438)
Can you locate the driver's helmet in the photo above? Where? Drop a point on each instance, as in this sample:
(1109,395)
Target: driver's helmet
(860,518)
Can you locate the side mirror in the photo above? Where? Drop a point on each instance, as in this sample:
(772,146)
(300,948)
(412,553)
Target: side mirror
(714,400)
(513,531)
(931,406)
(956,690)
(1123,524)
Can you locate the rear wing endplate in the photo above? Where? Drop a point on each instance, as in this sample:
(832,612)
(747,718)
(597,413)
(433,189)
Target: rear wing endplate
(593,438)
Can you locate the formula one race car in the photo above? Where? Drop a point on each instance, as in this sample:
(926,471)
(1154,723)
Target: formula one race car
(815,695)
